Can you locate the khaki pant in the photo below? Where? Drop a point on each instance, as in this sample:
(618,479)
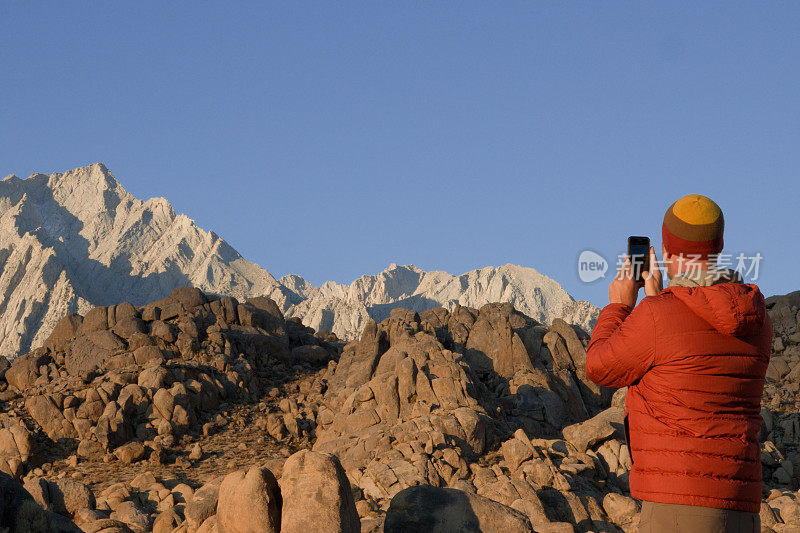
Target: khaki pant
(670,517)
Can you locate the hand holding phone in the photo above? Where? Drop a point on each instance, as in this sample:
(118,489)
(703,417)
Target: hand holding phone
(653,284)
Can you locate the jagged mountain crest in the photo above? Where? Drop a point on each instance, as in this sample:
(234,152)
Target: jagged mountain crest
(78,239)
(373,296)
(73,240)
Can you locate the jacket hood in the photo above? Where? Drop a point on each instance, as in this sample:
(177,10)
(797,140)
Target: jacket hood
(731,308)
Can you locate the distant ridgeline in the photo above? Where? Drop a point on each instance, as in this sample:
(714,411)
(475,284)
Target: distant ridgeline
(72,241)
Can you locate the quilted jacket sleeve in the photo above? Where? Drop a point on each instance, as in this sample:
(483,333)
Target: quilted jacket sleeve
(622,347)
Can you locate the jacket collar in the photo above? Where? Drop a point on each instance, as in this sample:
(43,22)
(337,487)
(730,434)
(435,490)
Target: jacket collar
(705,278)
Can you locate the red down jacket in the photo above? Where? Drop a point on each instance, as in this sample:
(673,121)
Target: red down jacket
(694,360)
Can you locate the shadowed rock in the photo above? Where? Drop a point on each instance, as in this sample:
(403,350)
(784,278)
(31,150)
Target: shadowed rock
(443,510)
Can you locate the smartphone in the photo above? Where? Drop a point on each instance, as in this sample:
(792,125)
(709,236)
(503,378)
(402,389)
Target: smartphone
(639,254)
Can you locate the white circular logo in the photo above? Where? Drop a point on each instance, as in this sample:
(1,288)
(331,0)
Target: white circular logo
(591,266)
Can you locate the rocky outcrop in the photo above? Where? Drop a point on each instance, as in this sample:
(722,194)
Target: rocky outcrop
(212,414)
(161,372)
(423,399)
(150,385)
(780,433)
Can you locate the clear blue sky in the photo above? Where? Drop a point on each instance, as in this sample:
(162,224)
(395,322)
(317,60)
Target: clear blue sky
(330,139)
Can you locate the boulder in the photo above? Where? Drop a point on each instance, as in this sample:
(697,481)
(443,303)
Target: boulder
(165,331)
(558,351)
(67,496)
(767,515)
(788,509)
(516,452)
(130,452)
(189,297)
(442,510)
(125,310)
(209,526)
(30,516)
(90,449)
(267,305)
(166,521)
(359,359)
(573,344)
(106,525)
(163,404)
(49,417)
(188,327)
(133,516)
(16,442)
(91,351)
(604,425)
(249,502)
(258,314)
(620,509)
(24,370)
(95,320)
(493,343)
(196,453)
(65,331)
(13,498)
(127,328)
(38,488)
(596,397)
(618,398)
(165,309)
(203,504)
(145,354)
(316,495)
(153,377)
(310,353)
(152,311)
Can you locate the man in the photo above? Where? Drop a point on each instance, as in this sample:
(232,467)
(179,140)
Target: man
(693,357)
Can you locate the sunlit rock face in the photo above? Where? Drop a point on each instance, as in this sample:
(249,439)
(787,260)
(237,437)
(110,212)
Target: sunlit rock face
(75,240)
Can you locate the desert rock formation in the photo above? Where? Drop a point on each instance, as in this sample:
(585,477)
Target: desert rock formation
(172,416)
